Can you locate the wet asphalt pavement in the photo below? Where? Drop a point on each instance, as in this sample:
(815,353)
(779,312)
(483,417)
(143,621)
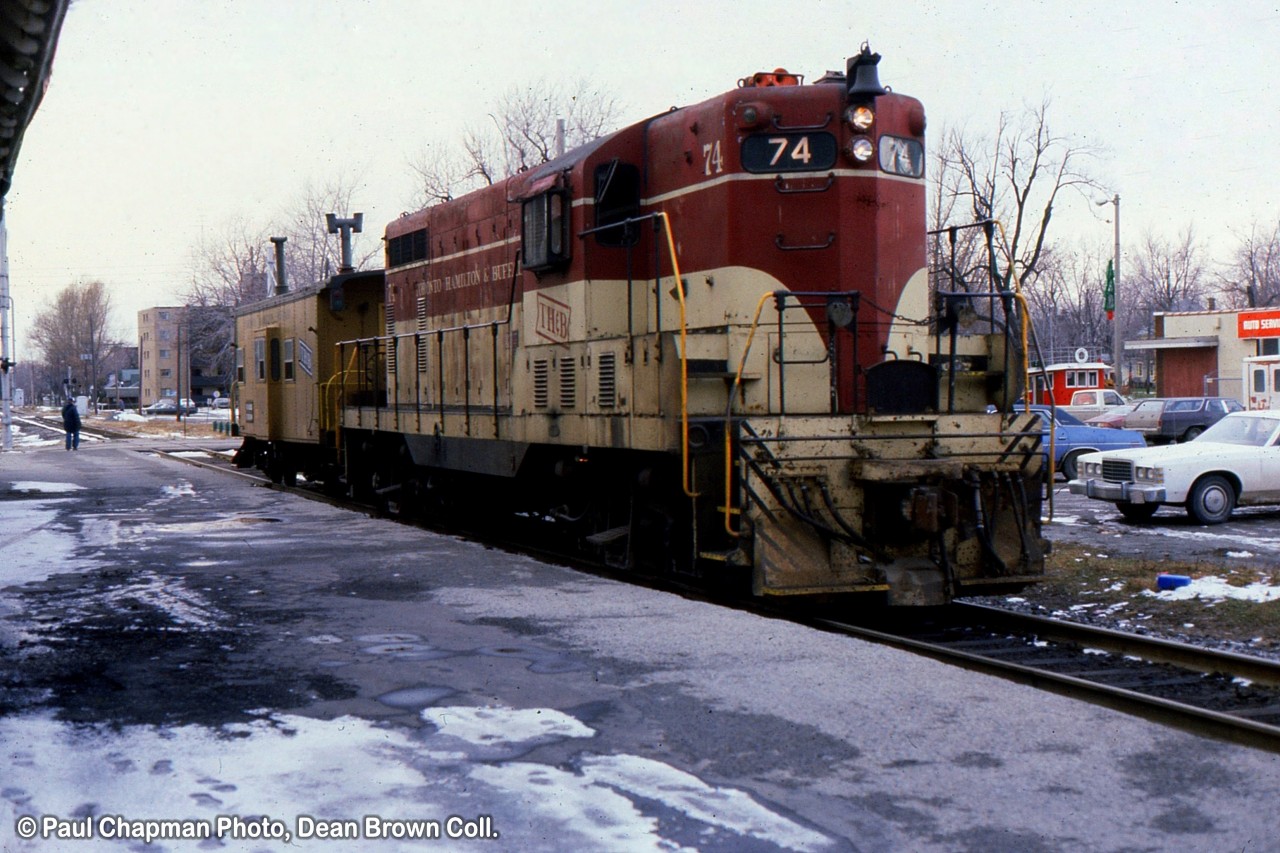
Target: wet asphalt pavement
(1169,533)
(260,670)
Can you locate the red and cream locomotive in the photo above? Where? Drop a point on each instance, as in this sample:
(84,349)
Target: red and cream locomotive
(706,343)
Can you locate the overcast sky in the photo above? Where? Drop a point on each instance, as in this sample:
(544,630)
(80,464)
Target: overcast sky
(164,121)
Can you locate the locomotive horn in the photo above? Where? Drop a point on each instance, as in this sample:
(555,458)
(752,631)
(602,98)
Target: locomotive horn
(345,226)
(860,71)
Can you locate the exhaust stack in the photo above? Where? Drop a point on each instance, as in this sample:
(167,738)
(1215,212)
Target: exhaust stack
(282,286)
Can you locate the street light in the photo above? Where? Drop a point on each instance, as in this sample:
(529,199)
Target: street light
(1115,265)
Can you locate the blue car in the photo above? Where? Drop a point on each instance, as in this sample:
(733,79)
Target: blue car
(1073,438)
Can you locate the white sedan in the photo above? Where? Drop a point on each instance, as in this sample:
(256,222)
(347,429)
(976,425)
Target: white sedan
(1235,462)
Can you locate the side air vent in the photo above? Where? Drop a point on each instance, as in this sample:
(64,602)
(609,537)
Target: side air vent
(419,342)
(568,383)
(391,339)
(541,383)
(607,396)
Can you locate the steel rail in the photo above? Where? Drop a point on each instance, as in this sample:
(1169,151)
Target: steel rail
(1201,721)
(1153,649)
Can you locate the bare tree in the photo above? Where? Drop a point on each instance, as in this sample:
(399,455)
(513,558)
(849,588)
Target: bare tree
(1067,303)
(522,132)
(1252,276)
(238,266)
(73,335)
(1167,276)
(311,253)
(1014,178)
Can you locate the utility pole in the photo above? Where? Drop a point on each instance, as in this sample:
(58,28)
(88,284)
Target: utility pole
(1117,346)
(6,345)
(1119,329)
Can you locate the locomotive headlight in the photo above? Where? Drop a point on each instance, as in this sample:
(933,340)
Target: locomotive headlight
(860,148)
(860,118)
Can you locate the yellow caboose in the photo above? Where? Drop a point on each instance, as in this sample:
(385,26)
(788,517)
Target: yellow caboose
(286,365)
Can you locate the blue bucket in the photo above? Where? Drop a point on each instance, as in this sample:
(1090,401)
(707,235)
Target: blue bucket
(1172,581)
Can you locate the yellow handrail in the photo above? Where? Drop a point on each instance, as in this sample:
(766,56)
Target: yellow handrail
(328,410)
(684,360)
(728,415)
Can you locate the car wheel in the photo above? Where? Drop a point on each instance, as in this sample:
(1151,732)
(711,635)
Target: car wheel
(1069,464)
(1137,512)
(1192,432)
(1211,500)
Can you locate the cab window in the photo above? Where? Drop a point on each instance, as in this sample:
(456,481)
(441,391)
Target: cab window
(617,199)
(544,231)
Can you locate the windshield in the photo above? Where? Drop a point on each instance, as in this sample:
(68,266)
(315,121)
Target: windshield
(1066,418)
(1249,430)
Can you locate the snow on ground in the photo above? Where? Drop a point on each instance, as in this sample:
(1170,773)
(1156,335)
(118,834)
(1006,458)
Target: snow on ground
(1217,588)
(26,439)
(285,767)
(32,545)
(282,773)
(44,488)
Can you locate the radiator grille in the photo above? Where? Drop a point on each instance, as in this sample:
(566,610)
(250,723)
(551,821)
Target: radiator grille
(391,339)
(541,383)
(1117,471)
(418,342)
(568,383)
(608,379)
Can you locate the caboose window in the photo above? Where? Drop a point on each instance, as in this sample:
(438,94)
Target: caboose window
(288,359)
(260,358)
(900,156)
(788,152)
(544,242)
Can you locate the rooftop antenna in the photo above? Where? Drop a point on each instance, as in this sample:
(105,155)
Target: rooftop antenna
(346,226)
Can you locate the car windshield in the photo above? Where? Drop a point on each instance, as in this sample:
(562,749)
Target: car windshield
(1065,418)
(1250,430)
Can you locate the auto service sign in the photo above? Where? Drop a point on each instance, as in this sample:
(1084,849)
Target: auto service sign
(1258,324)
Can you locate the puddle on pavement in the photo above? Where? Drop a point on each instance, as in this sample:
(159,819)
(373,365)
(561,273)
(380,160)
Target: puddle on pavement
(415,698)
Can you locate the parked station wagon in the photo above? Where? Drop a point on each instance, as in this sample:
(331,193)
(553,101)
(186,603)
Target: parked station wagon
(1178,418)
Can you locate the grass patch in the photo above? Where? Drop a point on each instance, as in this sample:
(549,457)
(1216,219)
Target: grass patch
(167,427)
(1090,585)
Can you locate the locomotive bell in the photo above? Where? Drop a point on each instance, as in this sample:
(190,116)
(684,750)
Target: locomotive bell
(862,75)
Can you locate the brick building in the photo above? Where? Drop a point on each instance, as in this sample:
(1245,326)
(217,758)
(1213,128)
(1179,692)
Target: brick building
(165,358)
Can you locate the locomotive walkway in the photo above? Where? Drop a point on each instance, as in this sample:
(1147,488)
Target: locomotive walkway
(246,655)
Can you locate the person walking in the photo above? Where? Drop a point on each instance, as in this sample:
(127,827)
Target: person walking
(71,423)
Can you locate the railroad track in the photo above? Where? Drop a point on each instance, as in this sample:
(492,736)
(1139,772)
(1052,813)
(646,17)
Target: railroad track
(1222,694)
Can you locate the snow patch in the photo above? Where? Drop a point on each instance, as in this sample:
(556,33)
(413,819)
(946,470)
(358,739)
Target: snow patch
(1217,588)
(44,488)
(485,726)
